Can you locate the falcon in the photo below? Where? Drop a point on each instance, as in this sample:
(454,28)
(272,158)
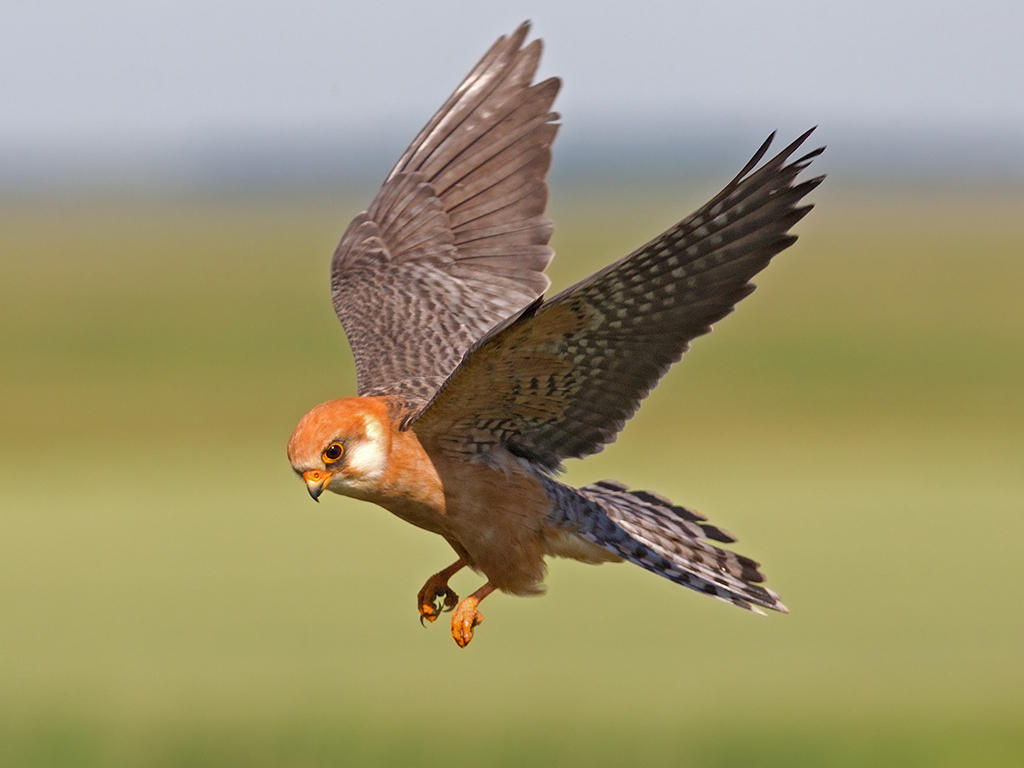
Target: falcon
(473,388)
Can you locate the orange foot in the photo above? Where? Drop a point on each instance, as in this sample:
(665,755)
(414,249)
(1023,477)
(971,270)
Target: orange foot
(436,595)
(467,616)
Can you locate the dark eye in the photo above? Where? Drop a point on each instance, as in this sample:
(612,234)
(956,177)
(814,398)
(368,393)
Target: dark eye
(333,452)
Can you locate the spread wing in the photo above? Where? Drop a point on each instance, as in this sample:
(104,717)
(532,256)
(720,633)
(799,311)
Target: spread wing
(561,379)
(456,239)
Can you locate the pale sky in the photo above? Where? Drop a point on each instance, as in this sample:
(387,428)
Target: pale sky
(147,76)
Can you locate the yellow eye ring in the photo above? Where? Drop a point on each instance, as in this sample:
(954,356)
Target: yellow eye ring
(333,452)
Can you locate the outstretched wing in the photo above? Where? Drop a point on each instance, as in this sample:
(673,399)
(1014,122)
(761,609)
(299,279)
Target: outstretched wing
(456,239)
(560,380)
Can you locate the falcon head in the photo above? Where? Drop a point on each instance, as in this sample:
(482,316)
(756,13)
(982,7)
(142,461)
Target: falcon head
(342,446)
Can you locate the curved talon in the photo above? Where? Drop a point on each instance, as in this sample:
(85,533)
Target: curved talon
(428,612)
(450,598)
(443,600)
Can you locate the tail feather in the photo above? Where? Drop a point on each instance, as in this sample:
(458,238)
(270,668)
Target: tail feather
(664,538)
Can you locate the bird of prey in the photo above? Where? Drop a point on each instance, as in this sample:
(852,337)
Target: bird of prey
(473,388)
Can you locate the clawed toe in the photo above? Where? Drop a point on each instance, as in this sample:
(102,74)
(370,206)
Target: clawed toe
(465,618)
(443,599)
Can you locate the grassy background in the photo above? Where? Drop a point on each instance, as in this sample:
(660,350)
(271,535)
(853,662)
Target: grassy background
(170,596)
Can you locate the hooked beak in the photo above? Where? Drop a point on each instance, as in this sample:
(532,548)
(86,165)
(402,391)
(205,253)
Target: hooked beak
(316,481)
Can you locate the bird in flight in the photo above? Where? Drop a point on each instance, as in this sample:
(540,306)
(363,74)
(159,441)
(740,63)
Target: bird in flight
(473,388)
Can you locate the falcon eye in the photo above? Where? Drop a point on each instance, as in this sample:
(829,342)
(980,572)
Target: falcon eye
(333,452)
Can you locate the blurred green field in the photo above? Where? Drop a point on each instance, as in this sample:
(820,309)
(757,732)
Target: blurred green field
(169,595)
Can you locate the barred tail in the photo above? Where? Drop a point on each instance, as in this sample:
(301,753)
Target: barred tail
(669,540)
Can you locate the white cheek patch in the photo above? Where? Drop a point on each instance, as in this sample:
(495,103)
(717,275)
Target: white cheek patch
(368,459)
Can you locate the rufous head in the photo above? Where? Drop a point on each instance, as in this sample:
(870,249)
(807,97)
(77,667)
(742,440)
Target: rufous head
(342,446)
